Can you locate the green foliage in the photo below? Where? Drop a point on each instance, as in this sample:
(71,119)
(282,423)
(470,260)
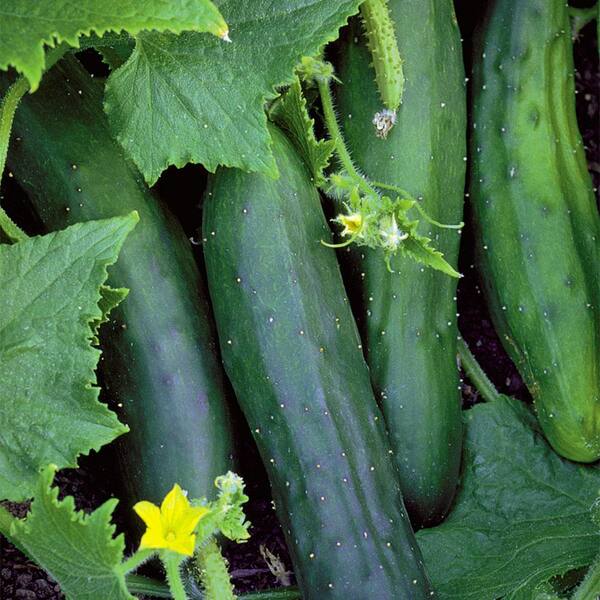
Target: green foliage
(226,514)
(201,101)
(291,114)
(78,550)
(25,26)
(522,515)
(53,299)
(384,223)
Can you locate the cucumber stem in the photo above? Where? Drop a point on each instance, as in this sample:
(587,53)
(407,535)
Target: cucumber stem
(172,564)
(135,560)
(475,373)
(336,136)
(590,586)
(8,106)
(141,585)
(335,133)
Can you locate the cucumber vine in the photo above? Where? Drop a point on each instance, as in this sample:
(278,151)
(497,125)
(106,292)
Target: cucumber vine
(372,218)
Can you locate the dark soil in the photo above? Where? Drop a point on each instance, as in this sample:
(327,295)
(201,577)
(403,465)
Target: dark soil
(20,579)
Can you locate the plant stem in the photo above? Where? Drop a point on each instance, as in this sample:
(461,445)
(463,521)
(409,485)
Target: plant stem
(214,574)
(138,584)
(475,373)
(392,188)
(590,586)
(135,560)
(172,564)
(338,139)
(8,106)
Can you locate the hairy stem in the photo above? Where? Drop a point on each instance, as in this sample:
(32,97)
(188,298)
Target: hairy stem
(475,373)
(338,139)
(404,194)
(214,574)
(172,564)
(135,560)
(8,107)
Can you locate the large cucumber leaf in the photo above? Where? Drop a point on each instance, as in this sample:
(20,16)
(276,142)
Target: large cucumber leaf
(52,300)
(26,25)
(78,550)
(192,98)
(522,515)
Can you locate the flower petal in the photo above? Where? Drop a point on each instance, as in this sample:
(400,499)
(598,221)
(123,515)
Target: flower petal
(153,538)
(149,513)
(184,544)
(187,522)
(173,506)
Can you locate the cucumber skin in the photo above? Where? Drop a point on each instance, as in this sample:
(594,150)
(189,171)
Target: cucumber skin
(303,385)
(159,358)
(538,227)
(413,364)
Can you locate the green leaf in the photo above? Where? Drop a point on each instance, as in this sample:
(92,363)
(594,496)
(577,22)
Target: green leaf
(51,304)
(25,26)
(189,98)
(418,248)
(78,550)
(115,48)
(522,515)
(291,114)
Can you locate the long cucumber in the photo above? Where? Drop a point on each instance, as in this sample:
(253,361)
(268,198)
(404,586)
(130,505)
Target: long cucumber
(409,316)
(159,363)
(292,351)
(538,226)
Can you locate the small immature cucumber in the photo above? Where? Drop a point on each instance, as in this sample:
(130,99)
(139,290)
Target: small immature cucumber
(159,363)
(538,226)
(410,316)
(292,352)
(386,61)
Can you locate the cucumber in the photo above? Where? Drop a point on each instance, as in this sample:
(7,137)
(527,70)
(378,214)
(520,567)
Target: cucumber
(408,318)
(159,363)
(292,352)
(538,226)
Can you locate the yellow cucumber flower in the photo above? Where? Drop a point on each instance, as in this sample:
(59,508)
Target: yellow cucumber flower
(172,525)
(352,223)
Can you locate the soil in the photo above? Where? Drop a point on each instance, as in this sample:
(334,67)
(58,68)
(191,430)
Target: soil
(21,579)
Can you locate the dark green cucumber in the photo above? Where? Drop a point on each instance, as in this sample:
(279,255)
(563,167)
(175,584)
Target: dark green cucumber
(159,362)
(538,226)
(292,352)
(409,316)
